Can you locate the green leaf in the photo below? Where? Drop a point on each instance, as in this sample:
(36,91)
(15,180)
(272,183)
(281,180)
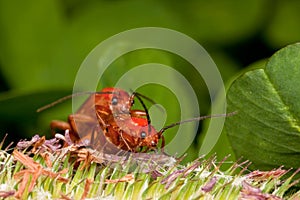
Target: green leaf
(283,26)
(221,21)
(266,129)
(18,111)
(31,43)
(16,105)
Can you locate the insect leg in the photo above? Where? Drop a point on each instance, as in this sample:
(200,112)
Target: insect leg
(59,125)
(127,145)
(78,120)
(100,111)
(162,143)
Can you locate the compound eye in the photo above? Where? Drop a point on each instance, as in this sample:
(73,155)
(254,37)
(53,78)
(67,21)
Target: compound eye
(153,144)
(114,101)
(132,102)
(143,134)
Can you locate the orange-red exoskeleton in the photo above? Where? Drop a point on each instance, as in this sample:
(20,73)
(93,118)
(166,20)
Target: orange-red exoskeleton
(107,113)
(107,116)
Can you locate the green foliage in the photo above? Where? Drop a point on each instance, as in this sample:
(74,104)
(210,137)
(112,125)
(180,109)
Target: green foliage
(266,129)
(283,28)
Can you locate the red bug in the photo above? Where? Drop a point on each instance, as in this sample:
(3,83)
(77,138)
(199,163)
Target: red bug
(136,133)
(131,134)
(123,127)
(101,112)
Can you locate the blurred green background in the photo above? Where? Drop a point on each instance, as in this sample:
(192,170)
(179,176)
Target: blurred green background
(43,43)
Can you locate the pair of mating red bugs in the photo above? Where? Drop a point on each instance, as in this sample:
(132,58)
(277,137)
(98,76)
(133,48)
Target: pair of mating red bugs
(107,117)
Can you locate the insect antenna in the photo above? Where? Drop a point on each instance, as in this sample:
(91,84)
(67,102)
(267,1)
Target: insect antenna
(195,119)
(58,101)
(138,96)
(145,97)
(148,99)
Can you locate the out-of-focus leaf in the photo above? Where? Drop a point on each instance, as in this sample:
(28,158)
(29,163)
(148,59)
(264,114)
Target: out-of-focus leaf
(18,116)
(266,129)
(37,47)
(24,106)
(213,140)
(218,143)
(227,66)
(221,22)
(31,41)
(284,25)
